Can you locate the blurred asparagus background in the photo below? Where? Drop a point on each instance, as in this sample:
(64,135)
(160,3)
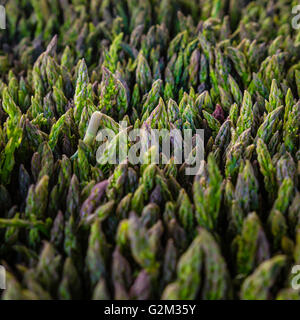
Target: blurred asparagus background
(73,229)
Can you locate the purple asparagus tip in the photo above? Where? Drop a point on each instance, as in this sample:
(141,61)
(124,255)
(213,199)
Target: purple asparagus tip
(219,113)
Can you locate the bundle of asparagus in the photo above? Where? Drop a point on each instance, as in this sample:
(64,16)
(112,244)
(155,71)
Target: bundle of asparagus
(74,228)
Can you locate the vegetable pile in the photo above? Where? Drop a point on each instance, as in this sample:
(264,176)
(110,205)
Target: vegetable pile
(71,228)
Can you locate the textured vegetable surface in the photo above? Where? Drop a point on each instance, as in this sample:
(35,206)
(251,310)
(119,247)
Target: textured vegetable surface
(71,228)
